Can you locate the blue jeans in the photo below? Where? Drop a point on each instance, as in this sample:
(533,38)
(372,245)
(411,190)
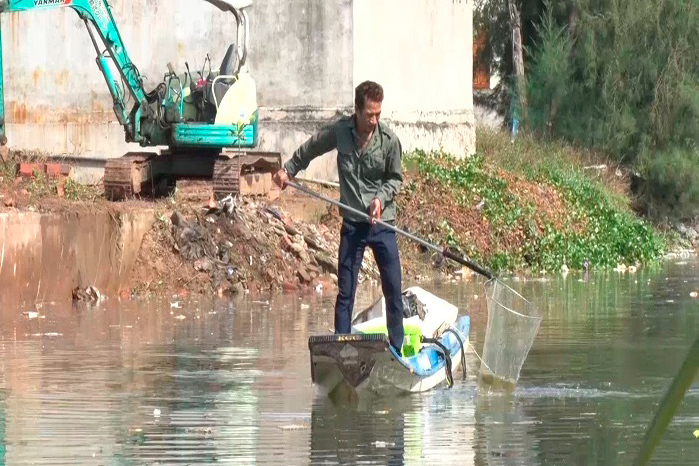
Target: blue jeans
(354,238)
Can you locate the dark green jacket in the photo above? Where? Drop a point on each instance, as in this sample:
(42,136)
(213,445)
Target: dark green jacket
(363,177)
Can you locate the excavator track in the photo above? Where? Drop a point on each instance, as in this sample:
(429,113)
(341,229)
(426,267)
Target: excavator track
(226,178)
(124,176)
(247,174)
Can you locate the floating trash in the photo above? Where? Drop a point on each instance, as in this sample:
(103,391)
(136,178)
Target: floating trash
(293,427)
(382,444)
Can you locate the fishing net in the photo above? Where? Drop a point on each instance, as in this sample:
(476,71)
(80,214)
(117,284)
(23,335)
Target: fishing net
(513,323)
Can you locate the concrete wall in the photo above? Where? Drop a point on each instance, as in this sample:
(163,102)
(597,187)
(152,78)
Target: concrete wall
(43,257)
(422,55)
(306,57)
(301,55)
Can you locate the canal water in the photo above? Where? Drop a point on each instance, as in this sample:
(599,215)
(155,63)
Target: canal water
(171,381)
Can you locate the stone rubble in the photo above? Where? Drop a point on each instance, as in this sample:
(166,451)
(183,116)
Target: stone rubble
(242,243)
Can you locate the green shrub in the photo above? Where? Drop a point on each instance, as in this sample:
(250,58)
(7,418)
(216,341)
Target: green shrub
(600,228)
(621,79)
(672,184)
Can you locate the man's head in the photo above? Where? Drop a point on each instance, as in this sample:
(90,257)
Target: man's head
(368,97)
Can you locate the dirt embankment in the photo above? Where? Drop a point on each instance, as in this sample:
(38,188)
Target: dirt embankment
(253,245)
(240,245)
(250,245)
(290,243)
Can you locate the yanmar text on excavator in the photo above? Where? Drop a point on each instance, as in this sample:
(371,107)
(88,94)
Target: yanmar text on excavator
(207,119)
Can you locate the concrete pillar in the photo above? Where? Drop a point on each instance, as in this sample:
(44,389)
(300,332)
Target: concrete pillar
(421,52)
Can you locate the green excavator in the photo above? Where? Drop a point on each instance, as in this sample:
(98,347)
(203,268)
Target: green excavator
(207,119)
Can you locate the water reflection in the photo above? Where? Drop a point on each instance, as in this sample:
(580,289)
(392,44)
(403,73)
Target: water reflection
(343,435)
(223,382)
(2,427)
(431,428)
(504,433)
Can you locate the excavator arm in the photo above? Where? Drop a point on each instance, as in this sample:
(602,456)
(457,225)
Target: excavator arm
(101,26)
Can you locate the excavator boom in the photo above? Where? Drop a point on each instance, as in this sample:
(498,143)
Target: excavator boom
(99,22)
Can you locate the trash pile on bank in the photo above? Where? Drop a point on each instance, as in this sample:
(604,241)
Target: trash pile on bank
(246,245)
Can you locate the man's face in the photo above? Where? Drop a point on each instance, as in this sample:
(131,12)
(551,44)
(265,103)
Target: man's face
(368,117)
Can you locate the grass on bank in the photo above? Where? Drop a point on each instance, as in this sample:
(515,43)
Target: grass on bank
(40,185)
(528,205)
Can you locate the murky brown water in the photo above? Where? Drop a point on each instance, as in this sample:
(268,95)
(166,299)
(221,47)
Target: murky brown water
(229,383)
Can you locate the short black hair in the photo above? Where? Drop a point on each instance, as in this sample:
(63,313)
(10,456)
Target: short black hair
(368,90)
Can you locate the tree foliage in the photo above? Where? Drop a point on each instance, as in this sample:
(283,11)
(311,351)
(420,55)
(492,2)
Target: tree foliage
(619,76)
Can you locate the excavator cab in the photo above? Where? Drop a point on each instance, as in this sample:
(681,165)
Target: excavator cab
(198,95)
(214,94)
(207,119)
(212,109)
